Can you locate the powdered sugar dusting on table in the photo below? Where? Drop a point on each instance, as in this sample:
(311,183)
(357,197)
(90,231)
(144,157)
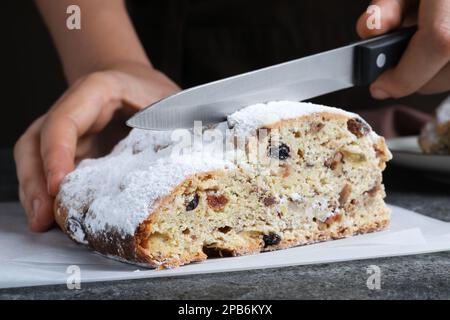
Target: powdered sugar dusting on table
(121,189)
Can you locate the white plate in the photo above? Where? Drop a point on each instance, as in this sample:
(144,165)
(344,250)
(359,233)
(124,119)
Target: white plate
(407,153)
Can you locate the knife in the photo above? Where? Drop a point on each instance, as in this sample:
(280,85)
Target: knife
(357,64)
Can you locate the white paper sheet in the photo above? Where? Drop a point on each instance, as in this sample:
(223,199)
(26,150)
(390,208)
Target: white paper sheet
(28,259)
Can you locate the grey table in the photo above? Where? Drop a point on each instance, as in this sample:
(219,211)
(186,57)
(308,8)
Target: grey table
(411,277)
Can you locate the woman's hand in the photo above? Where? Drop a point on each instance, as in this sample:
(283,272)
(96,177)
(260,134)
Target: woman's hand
(80,124)
(424,67)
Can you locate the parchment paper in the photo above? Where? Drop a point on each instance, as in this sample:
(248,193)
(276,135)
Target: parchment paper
(28,259)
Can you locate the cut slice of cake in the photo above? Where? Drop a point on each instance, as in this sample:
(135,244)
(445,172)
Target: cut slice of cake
(274,176)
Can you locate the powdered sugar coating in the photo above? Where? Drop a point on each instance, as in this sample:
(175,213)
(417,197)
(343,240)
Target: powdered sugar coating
(119,191)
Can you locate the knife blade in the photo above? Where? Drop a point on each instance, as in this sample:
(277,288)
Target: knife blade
(356,64)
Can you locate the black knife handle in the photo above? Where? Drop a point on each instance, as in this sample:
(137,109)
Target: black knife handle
(379,54)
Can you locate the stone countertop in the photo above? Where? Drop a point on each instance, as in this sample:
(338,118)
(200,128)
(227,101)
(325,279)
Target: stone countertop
(410,277)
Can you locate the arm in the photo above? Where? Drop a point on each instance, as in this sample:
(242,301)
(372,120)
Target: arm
(109,74)
(106,38)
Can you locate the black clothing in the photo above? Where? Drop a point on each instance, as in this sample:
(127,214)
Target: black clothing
(197,41)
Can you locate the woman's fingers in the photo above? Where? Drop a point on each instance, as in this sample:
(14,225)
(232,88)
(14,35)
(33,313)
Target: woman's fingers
(32,183)
(391,16)
(427,53)
(419,64)
(439,83)
(58,144)
(89,105)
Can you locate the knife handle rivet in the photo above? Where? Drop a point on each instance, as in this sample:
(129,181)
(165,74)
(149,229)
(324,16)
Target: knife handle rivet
(381,60)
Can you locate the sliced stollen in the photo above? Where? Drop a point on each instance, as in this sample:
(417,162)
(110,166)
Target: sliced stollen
(275,175)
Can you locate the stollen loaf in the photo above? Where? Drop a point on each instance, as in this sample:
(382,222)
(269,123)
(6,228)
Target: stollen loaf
(275,175)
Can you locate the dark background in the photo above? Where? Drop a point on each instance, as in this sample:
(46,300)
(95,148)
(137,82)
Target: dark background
(204,41)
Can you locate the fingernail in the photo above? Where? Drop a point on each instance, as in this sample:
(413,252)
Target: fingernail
(36,205)
(380,94)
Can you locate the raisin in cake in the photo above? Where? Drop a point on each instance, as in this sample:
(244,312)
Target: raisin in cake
(435,135)
(305,173)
